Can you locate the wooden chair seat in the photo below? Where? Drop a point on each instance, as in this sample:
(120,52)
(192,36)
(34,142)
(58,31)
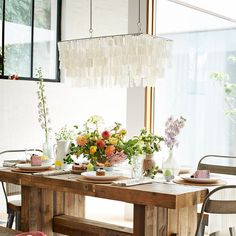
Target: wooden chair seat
(8,232)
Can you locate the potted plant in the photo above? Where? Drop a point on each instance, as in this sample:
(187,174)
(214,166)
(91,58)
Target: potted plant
(151,144)
(139,151)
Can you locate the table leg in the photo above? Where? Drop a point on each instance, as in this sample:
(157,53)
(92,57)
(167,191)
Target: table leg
(40,205)
(181,221)
(139,220)
(168,222)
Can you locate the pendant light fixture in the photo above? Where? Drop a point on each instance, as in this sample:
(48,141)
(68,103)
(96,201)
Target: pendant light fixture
(129,60)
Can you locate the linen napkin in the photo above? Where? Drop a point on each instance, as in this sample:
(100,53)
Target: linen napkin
(52,172)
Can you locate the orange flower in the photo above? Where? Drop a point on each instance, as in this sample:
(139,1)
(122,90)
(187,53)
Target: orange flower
(110,150)
(81,140)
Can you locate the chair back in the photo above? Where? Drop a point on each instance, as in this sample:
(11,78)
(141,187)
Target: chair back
(10,189)
(218,164)
(211,206)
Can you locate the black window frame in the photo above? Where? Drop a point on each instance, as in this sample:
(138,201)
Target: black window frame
(58,38)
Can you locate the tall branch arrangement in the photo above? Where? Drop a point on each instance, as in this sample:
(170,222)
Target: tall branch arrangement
(43,114)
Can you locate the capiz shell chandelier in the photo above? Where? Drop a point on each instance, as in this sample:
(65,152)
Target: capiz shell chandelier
(130,60)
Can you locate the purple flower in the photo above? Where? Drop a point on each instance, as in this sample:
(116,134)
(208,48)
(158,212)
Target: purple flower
(172,130)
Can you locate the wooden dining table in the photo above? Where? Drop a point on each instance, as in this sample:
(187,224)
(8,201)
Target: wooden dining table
(56,205)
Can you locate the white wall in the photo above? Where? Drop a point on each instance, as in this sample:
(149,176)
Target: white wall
(19,126)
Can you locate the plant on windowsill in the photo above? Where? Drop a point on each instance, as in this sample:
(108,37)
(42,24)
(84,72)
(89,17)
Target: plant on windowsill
(229,90)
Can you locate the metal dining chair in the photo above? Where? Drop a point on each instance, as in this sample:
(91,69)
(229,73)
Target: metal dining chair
(220,164)
(13,204)
(221,206)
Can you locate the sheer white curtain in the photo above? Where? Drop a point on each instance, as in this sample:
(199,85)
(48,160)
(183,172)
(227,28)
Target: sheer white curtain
(189,91)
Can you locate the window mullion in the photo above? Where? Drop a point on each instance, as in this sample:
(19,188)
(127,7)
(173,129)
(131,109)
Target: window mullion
(3,35)
(32,41)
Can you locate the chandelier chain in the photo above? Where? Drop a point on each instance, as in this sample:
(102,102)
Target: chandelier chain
(91,19)
(139,24)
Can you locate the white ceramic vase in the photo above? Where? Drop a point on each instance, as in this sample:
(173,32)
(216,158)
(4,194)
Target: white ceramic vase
(61,148)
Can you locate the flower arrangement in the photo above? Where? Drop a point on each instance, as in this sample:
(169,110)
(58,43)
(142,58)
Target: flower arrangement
(65,134)
(144,143)
(172,130)
(42,106)
(98,146)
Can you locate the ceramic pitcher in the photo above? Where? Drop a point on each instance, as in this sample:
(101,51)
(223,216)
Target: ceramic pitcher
(61,149)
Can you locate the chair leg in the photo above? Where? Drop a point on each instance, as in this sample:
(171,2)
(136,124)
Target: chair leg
(232,231)
(201,230)
(10,219)
(18,221)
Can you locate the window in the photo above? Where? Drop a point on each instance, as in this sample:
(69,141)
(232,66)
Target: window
(202,44)
(29,31)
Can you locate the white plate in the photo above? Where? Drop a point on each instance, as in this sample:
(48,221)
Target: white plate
(212,179)
(27,166)
(108,176)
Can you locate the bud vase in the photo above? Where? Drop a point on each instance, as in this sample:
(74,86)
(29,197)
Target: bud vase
(137,166)
(149,163)
(170,166)
(48,153)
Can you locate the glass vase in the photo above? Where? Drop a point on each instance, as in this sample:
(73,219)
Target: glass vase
(170,166)
(48,153)
(137,166)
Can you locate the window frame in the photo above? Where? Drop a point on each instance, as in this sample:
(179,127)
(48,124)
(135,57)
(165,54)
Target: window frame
(58,38)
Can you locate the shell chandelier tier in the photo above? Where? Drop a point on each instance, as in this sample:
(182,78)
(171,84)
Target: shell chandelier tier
(131,60)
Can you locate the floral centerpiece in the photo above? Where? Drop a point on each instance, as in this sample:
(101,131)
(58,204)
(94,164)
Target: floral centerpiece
(99,146)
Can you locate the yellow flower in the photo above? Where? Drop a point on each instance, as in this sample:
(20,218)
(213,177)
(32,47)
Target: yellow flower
(92,150)
(113,141)
(58,163)
(123,132)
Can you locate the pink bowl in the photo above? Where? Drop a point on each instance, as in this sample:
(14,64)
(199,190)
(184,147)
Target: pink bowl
(33,233)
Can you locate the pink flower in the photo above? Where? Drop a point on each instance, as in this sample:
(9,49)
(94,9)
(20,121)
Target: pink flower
(117,157)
